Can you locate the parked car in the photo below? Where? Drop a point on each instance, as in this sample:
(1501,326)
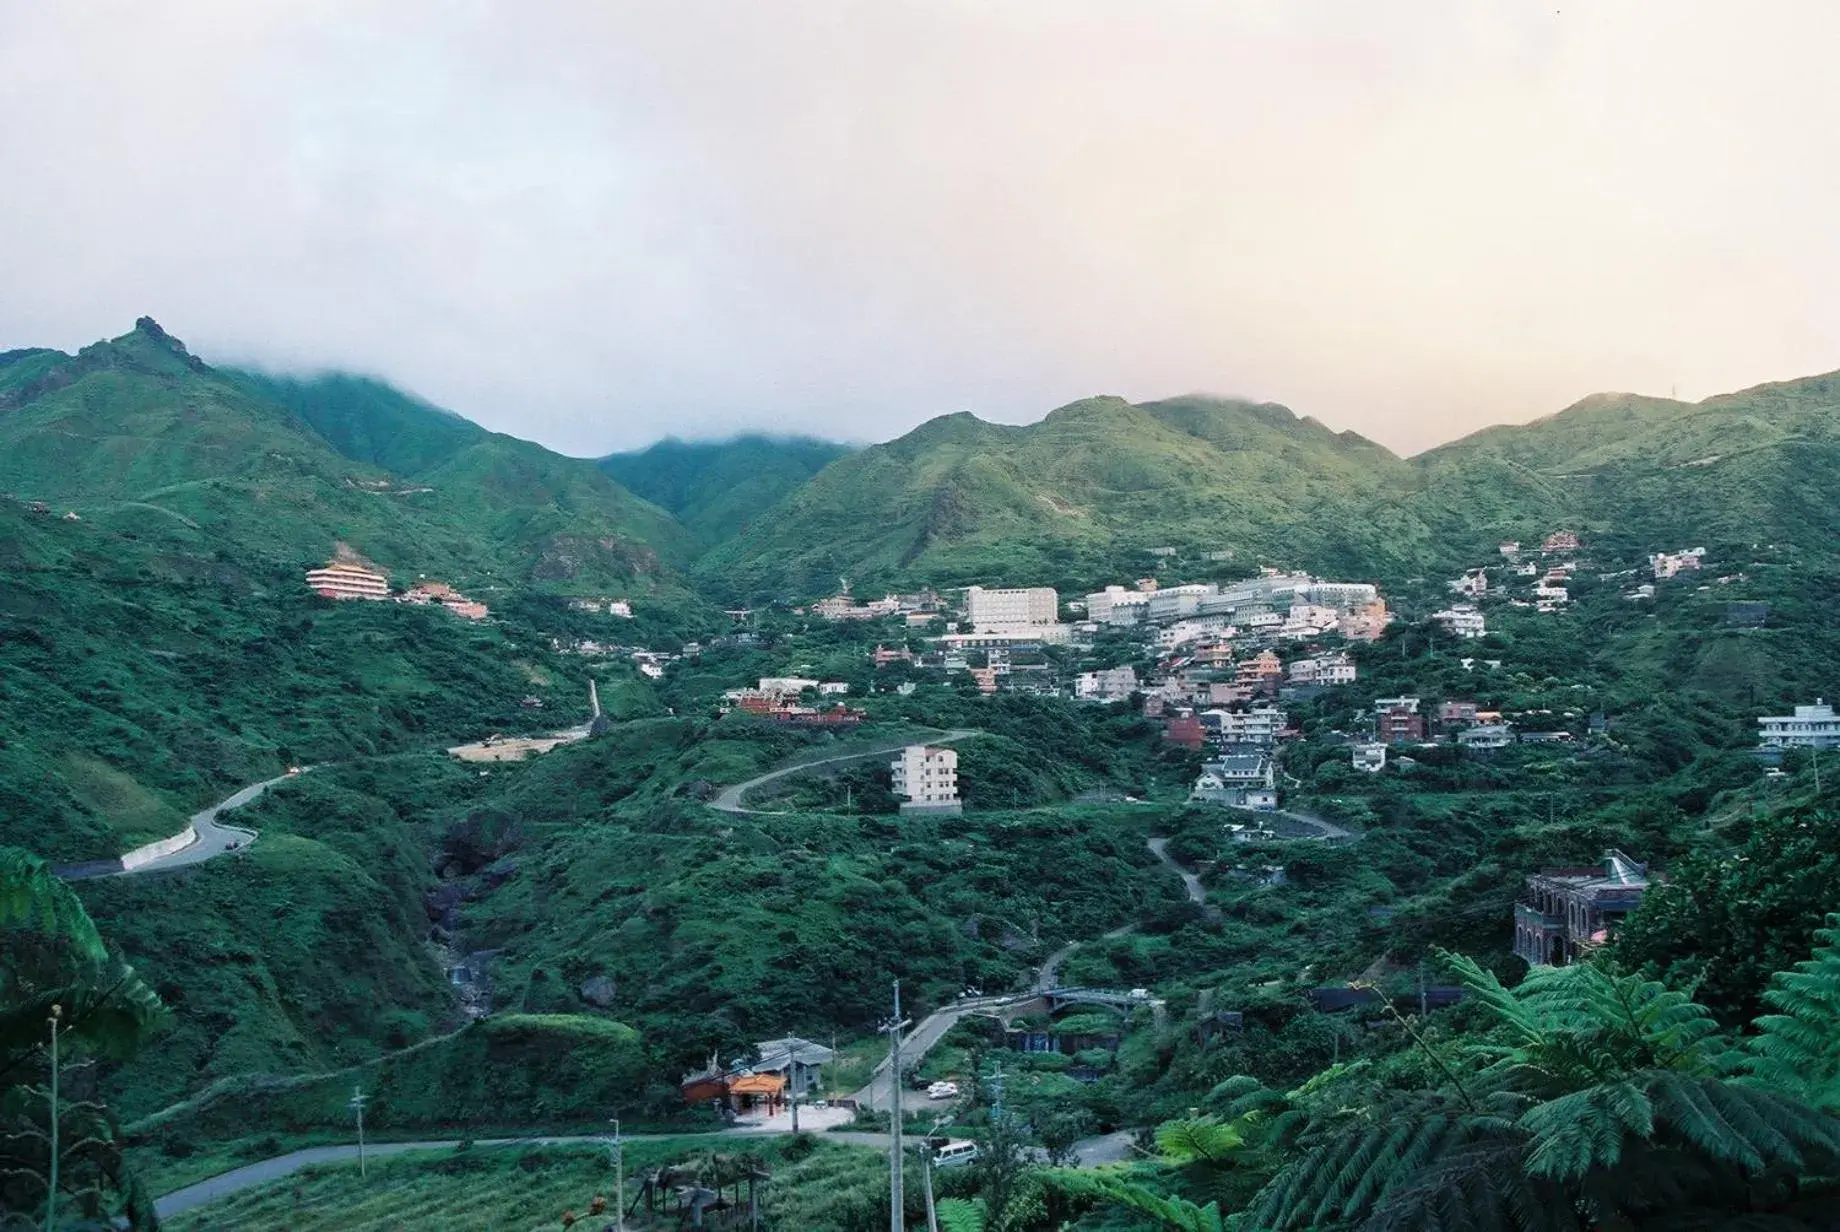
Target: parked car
(942,1090)
(955,1154)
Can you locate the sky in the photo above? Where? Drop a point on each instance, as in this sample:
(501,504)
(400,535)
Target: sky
(597,223)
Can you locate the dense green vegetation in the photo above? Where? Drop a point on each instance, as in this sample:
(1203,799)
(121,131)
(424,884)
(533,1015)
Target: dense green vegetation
(158,650)
(806,1184)
(717,489)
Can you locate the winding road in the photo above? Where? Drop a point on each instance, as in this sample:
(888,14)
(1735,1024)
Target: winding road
(212,839)
(209,839)
(730,799)
(1326,829)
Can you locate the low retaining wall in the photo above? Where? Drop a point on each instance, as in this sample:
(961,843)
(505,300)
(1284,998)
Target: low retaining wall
(160,850)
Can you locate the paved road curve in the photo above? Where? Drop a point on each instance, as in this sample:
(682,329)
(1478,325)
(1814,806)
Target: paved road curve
(211,839)
(730,799)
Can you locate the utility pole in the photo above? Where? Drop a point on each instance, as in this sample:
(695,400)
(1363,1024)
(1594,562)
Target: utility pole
(792,1083)
(618,1148)
(57,1015)
(357,1105)
(926,1170)
(896,1198)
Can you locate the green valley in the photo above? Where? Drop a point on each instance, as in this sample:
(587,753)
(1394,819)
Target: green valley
(1220,879)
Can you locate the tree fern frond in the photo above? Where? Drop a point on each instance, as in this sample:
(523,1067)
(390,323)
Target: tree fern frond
(961,1215)
(1576,1133)
(1198,1139)
(1797,1050)
(1106,1186)
(34,897)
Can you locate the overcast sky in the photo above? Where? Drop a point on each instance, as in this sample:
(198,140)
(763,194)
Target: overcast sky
(597,223)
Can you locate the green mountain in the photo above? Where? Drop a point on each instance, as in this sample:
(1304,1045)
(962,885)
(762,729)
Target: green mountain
(1739,468)
(367,420)
(1086,493)
(138,432)
(718,489)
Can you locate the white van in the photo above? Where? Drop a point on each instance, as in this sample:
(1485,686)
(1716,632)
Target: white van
(955,1154)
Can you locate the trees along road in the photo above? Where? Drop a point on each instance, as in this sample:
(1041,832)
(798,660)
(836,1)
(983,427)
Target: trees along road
(730,799)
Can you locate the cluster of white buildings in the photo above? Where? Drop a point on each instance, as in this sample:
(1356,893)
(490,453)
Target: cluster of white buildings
(613,607)
(1292,606)
(919,608)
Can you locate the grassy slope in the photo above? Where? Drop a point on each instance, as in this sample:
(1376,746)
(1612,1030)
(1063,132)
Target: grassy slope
(720,488)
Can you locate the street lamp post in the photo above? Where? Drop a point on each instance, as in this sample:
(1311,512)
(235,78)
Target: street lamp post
(57,1015)
(619,1179)
(356,1104)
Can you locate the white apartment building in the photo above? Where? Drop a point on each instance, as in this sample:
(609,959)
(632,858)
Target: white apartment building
(928,776)
(1810,727)
(1369,758)
(991,610)
(1307,620)
(1176,602)
(1341,595)
(1323,670)
(1111,684)
(1463,620)
(1259,726)
(346,581)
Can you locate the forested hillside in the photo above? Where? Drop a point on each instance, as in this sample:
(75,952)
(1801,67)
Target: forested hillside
(1090,489)
(718,489)
(620,912)
(138,434)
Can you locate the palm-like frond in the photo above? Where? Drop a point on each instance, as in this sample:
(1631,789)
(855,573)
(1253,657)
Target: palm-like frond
(1797,1049)
(961,1215)
(34,897)
(1106,1186)
(1198,1140)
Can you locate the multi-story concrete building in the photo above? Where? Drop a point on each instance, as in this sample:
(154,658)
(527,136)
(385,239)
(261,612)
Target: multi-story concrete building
(1810,727)
(1397,725)
(1486,736)
(341,580)
(1369,758)
(1003,609)
(1258,727)
(1323,671)
(928,776)
(1345,596)
(1365,622)
(1110,684)
(1455,713)
(1463,620)
(1565,912)
(1115,605)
